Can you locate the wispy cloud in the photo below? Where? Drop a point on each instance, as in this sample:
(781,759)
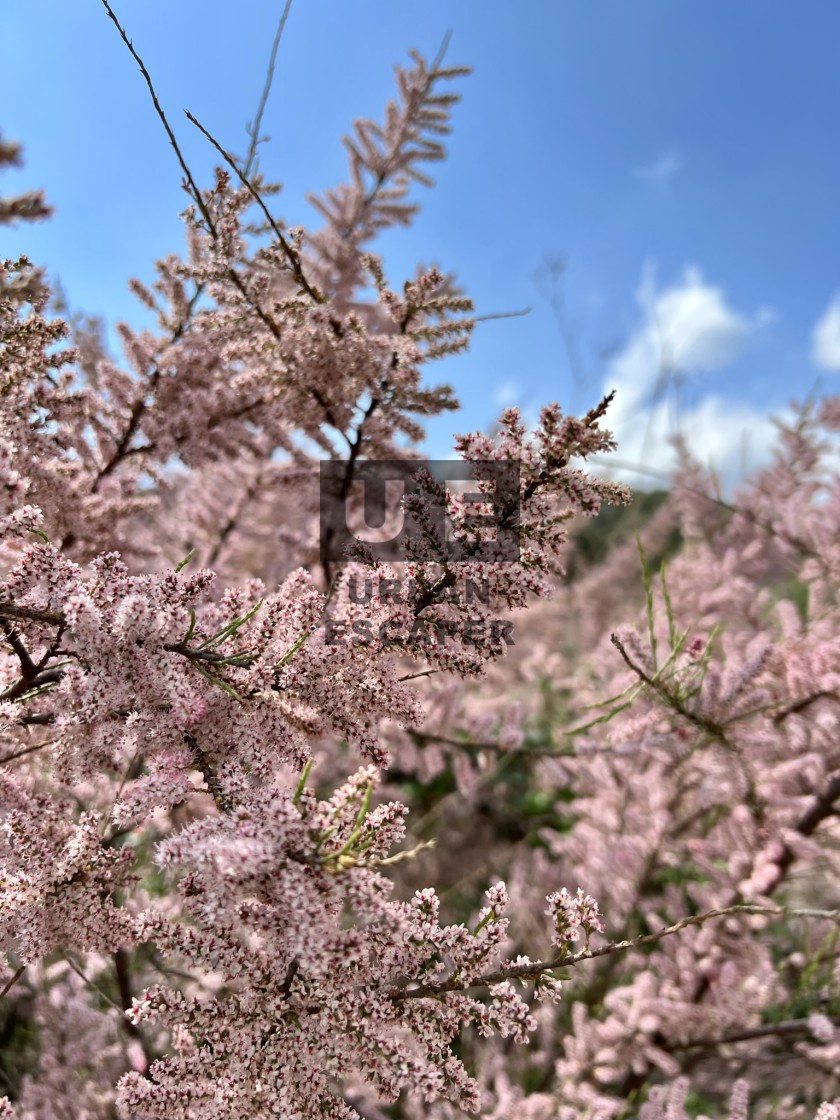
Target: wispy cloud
(825,337)
(506,394)
(662,170)
(687,329)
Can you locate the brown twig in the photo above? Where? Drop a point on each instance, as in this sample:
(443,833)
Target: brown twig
(12,981)
(254,129)
(193,189)
(534,969)
(291,256)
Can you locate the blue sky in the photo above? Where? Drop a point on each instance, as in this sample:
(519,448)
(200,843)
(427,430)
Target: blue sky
(657,180)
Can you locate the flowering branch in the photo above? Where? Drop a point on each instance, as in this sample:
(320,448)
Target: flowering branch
(532,970)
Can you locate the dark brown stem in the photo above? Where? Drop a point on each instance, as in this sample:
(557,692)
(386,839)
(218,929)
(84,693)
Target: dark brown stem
(534,969)
(32,614)
(788,1028)
(12,981)
(211,780)
(291,256)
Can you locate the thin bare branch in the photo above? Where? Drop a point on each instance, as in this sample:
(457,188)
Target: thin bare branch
(12,981)
(290,254)
(534,969)
(254,129)
(193,188)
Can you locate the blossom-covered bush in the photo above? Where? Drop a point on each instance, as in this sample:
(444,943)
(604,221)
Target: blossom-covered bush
(228,779)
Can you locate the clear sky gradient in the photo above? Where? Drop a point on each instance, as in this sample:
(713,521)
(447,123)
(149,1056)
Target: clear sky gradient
(658,180)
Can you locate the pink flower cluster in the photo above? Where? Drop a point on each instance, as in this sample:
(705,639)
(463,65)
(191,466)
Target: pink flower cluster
(218,827)
(573,915)
(158,817)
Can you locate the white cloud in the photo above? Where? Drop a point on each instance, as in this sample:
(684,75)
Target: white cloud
(825,337)
(730,437)
(662,170)
(687,329)
(506,394)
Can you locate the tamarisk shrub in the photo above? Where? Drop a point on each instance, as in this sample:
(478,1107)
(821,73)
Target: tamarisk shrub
(682,758)
(217,822)
(219,932)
